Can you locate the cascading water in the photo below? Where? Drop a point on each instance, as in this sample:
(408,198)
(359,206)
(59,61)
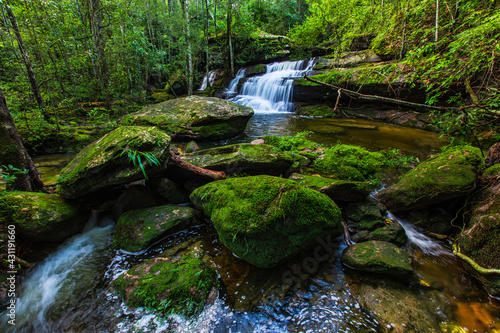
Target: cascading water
(60,280)
(272,92)
(211,79)
(233,85)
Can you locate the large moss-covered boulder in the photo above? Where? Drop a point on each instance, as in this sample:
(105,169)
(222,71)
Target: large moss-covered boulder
(168,285)
(241,158)
(138,229)
(265,219)
(341,190)
(480,240)
(42,217)
(448,175)
(114,160)
(194,118)
(377,257)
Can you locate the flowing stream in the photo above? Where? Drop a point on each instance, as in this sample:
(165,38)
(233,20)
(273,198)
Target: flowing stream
(69,291)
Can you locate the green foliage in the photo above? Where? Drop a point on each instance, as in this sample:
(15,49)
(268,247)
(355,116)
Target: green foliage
(294,143)
(134,156)
(9,173)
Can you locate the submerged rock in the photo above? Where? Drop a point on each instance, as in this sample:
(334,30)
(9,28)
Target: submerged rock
(341,190)
(449,175)
(113,160)
(377,257)
(194,118)
(42,217)
(243,158)
(265,219)
(168,285)
(138,229)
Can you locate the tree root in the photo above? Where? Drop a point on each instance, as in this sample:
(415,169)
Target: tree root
(470,261)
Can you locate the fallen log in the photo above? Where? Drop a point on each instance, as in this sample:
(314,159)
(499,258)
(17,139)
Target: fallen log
(215,175)
(375,98)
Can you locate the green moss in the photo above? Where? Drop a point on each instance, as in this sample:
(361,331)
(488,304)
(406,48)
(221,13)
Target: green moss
(41,216)
(265,219)
(137,229)
(492,171)
(446,176)
(179,286)
(350,162)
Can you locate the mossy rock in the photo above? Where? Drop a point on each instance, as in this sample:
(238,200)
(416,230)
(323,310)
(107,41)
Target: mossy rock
(480,240)
(194,118)
(365,210)
(168,285)
(243,158)
(377,257)
(341,190)
(137,229)
(391,232)
(492,171)
(42,217)
(107,162)
(350,162)
(449,175)
(265,219)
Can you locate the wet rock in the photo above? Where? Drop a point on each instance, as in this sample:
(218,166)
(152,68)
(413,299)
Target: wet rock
(135,197)
(337,190)
(168,285)
(136,230)
(264,219)
(377,257)
(112,160)
(42,217)
(241,158)
(367,210)
(194,118)
(397,309)
(480,240)
(258,142)
(170,191)
(391,232)
(449,175)
(192,147)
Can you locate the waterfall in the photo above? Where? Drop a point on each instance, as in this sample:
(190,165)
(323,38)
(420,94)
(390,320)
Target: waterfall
(211,79)
(233,85)
(272,91)
(426,244)
(60,279)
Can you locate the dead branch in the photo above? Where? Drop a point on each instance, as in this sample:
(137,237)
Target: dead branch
(374,98)
(215,175)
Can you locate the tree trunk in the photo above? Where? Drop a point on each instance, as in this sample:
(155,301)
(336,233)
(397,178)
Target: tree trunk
(29,68)
(207,25)
(229,38)
(436,37)
(189,47)
(13,153)
(95,12)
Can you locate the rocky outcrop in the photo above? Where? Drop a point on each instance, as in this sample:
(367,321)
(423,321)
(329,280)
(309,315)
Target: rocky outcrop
(138,229)
(337,190)
(42,217)
(194,118)
(120,157)
(181,286)
(448,175)
(264,219)
(238,159)
(377,257)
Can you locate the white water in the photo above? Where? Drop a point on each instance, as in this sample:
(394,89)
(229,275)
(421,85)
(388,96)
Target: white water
(426,244)
(233,85)
(60,279)
(272,92)
(211,79)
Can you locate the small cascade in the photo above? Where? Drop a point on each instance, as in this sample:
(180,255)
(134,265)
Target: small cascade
(272,92)
(233,85)
(211,79)
(426,244)
(60,279)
